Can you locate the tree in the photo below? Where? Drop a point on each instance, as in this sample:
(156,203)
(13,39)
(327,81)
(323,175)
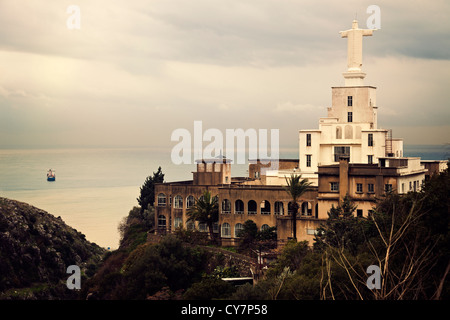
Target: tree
(147,196)
(209,289)
(296,187)
(254,242)
(150,268)
(406,237)
(342,229)
(205,210)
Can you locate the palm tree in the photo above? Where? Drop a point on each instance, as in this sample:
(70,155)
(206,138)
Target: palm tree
(205,210)
(296,187)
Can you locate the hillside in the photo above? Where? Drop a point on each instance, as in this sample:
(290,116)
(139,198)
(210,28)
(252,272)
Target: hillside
(35,250)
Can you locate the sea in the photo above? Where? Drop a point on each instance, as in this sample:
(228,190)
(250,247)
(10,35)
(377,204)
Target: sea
(95,188)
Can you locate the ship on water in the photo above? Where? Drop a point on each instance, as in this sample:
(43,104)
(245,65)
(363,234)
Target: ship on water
(51,176)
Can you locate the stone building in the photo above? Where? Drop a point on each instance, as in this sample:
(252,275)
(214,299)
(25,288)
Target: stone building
(363,182)
(240,199)
(348,154)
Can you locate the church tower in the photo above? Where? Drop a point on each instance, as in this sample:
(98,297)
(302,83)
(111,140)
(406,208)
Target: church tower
(350,128)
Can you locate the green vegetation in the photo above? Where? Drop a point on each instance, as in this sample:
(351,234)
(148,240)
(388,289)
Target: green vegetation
(205,210)
(35,250)
(254,240)
(147,194)
(296,187)
(406,236)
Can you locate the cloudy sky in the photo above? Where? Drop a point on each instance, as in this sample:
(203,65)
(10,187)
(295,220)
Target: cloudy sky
(137,70)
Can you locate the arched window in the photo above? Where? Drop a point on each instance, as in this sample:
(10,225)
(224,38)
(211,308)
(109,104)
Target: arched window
(264,227)
(202,227)
(348,132)
(239,207)
(162,200)
(226,230)
(265,207)
(306,208)
(190,225)
(279,208)
(178,222)
(190,201)
(252,208)
(290,210)
(226,206)
(161,221)
(238,227)
(338,132)
(178,202)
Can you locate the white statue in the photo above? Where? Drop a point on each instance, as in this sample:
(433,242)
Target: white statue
(354,46)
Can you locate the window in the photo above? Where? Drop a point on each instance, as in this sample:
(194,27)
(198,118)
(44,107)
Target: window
(334,186)
(162,200)
(359,213)
(178,222)
(190,201)
(403,188)
(308,139)
(341,151)
(304,208)
(350,117)
(238,229)
(290,209)
(226,206)
(387,187)
(264,227)
(308,160)
(359,188)
(370,140)
(349,101)
(178,203)
(415,187)
(265,207)
(370,188)
(202,227)
(338,132)
(226,230)
(161,221)
(239,207)
(190,225)
(370,159)
(252,207)
(311,232)
(279,208)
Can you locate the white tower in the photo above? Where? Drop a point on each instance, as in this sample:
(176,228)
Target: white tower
(350,127)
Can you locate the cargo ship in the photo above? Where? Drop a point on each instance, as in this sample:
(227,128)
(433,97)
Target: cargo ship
(51,176)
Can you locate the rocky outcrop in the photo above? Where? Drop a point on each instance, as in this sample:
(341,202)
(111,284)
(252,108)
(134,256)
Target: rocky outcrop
(35,250)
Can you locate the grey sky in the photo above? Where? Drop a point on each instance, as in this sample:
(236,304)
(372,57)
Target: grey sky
(137,70)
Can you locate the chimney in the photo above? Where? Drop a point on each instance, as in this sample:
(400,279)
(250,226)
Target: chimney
(343,176)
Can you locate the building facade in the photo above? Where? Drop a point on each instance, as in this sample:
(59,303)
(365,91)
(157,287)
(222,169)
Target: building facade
(349,154)
(364,183)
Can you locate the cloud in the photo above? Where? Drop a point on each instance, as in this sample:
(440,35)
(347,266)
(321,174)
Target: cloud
(137,70)
(289,107)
